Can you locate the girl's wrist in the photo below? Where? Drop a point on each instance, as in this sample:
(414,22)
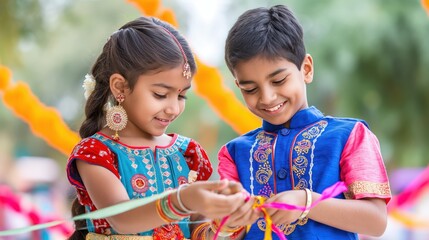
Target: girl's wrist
(177,200)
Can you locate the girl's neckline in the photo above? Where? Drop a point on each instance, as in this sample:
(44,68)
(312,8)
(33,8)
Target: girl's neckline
(171,143)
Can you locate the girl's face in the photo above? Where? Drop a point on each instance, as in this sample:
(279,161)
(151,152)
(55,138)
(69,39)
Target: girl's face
(156,101)
(274,90)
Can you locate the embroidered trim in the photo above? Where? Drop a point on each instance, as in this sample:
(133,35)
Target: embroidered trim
(365,187)
(317,132)
(251,167)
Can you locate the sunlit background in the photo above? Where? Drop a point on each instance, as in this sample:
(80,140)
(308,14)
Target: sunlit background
(371,61)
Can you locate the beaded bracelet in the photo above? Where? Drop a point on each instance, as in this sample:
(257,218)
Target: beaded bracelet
(309,200)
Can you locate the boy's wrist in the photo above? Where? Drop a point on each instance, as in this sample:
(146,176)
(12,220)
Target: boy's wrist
(308,202)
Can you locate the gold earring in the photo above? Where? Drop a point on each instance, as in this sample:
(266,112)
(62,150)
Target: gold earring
(116,117)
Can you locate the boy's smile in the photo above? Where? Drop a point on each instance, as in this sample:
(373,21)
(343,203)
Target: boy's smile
(274,89)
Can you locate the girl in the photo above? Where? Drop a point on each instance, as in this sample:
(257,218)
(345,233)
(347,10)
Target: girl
(144,71)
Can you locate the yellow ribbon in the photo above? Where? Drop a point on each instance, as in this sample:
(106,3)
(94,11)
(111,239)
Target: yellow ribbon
(259,201)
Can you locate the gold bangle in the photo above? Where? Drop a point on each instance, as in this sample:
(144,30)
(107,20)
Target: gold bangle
(200,231)
(226,231)
(307,204)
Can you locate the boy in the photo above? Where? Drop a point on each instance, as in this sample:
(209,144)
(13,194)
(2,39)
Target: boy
(297,152)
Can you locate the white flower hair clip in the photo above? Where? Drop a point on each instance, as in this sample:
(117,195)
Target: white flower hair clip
(88,85)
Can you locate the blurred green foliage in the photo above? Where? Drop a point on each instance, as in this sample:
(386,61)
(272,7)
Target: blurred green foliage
(371,62)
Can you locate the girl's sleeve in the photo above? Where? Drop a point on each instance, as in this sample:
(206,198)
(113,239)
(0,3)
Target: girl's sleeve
(91,151)
(226,167)
(198,161)
(362,166)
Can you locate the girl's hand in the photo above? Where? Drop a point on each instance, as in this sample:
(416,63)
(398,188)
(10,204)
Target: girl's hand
(293,197)
(213,199)
(244,215)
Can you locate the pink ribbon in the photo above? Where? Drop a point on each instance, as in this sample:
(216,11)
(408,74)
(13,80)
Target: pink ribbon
(330,192)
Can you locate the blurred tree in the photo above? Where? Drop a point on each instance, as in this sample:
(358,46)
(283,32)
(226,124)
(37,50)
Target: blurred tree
(20,21)
(378,58)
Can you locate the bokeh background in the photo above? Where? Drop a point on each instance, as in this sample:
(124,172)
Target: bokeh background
(371,62)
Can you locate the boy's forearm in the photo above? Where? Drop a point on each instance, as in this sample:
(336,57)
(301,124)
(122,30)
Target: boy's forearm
(363,216)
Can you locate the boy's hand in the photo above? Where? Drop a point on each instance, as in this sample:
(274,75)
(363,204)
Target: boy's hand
(244,215)
(293,197)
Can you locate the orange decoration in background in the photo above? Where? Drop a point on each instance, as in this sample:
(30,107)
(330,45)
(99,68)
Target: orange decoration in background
(5,76)
(425,4)
(149,7)
(410,221)
(45,122)
(155,9)
(223,100)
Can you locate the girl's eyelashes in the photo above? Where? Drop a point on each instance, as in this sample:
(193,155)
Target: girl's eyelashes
(163,96)
(160,96)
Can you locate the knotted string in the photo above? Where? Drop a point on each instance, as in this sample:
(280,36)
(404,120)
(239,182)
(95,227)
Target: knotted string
(329,192)
(126,206)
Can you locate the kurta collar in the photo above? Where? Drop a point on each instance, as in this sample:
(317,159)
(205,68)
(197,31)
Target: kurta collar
(301,119)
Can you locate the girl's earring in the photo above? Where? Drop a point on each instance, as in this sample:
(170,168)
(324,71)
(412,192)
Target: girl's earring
(116,117)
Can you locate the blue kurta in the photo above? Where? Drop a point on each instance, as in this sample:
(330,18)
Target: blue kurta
(273,159)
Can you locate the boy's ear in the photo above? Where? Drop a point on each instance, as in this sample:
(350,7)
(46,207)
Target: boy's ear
(118,84)
(307,68)
(236,83)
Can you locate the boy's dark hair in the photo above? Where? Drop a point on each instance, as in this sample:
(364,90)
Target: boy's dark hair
(140,46)
(270,33)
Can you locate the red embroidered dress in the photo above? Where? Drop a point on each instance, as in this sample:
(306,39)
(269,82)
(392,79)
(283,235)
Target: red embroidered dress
(143,173)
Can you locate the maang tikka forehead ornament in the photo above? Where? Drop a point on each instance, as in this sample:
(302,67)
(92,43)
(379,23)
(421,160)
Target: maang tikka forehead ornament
(186,67)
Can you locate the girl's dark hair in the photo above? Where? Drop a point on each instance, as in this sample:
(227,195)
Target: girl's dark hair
(140,46)
(267,32)
(80,225)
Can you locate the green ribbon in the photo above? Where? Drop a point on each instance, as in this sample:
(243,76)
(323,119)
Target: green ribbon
(100,213)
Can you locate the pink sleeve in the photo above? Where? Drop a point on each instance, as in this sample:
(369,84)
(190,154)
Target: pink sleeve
(362,166)
(226,167)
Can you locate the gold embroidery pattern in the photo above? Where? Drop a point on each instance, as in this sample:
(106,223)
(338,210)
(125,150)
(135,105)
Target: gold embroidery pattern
(302,147)
(362,187)
(300,164)
(261,155)
(264,173)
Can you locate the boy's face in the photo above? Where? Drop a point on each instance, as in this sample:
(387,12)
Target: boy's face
(274,89)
